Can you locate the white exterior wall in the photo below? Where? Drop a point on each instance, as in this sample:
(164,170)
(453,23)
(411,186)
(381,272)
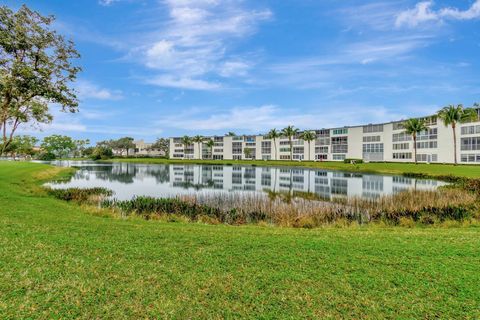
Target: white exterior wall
(443,153)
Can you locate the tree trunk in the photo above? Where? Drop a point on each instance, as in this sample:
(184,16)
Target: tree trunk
(415,146)
(454,142)
(308,153)
(291,148)
(275,146)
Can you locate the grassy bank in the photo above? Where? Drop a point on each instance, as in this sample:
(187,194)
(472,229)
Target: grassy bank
(470,171)
(58,261)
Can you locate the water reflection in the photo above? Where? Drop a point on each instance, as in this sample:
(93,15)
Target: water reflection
(128,180)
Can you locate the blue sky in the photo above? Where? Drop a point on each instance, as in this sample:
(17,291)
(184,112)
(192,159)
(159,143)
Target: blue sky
(174,67)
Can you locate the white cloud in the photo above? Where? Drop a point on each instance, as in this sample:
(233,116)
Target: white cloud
(420,14)
(234,68)
(472,13)
(107,3)
(194,42)
(259,119)
(171,81)
(347,64)
(88,90)
(423,12)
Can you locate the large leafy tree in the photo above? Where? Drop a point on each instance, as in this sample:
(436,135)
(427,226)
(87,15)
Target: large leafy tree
(123,144)
(60,146)
(451,115)
(290,132)
(274,134)
(413,127)
(36,70)
(308,136)
(23,145)
(162,144)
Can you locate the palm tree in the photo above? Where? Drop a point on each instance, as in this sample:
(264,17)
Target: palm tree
(413,127)
(186,141)
(274,134)
(198,140)
(290,132)
(451,115)
(209,143)
(231,134)
(308,136)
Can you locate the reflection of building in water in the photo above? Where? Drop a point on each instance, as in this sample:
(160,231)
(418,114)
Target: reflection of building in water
(326,184)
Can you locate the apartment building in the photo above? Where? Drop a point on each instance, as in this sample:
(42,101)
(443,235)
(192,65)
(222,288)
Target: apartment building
(384,142)
(142,148)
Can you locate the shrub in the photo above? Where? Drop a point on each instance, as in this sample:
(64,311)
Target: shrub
(101,153)
(78,194)
(351,160)
(46,156)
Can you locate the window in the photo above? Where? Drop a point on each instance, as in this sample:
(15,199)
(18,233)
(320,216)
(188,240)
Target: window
(324,133)
(398,125)
(422,157)
(250,144)
(218,150)
(470,130)
(373,148)
(285,143)
(373,128)
(470,158)
(430,121)
(402,136)
(236,148)
(298,150)
(472,143)
(371,139)
(266,147)
(340,148)
(218,139)
(321,149)
(427,157)
(427,145)
(237,138)
(340,131)
(339,140)
(322,141)
(430,134)
(321,157)
(401,146)
(338,157)
(284,157)
(249,138)
(284,149)
(402,155)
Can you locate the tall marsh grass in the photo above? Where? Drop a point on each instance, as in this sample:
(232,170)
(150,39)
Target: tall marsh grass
(89,195)
(425,207)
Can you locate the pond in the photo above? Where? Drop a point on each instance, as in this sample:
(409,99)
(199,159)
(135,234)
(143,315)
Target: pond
(127,180)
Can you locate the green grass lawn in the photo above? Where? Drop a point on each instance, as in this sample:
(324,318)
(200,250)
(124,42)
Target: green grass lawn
(472,171)
(58,261)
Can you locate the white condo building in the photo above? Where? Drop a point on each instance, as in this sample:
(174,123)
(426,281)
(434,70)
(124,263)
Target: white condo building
(385,142)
